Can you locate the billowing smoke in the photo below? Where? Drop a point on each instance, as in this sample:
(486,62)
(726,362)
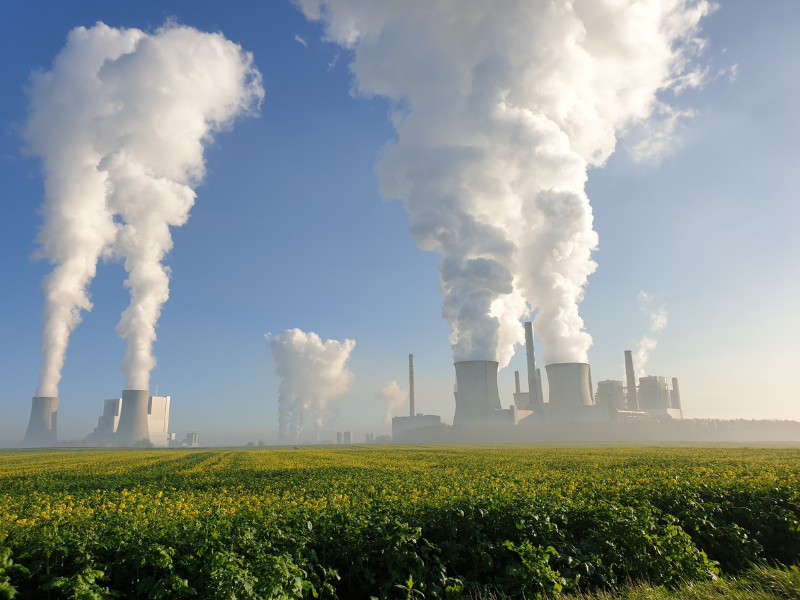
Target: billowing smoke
(648,343)
(500,109)
(393,397)
(121,122)
(313,373)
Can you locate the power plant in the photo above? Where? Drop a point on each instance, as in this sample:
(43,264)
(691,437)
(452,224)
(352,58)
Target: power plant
(416,420)
(137,419)
(570,398)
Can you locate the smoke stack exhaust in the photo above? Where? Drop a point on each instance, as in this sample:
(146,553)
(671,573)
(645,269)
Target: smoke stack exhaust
(569,384)
(630,375)
(476,391)
(412,399)
(133,425)
(534,384)
(41,432)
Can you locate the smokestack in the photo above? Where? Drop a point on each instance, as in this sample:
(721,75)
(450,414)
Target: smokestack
(412,400)
(569,384)
(539,384)
(476,391)
(534,384)
(630,375)
(133,425)
(675,395)
(41,432)
(516,382)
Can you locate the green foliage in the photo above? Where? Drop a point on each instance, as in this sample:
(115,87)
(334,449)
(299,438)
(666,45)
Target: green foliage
(9,570)
(393,523)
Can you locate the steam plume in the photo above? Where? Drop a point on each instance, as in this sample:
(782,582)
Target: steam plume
(658,321)
(393,396)
(500,109)
(121,122)
(312,374)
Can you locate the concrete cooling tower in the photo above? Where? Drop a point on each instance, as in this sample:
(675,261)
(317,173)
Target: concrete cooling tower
(42,424)
(133,425)
(476,392)
(570,384)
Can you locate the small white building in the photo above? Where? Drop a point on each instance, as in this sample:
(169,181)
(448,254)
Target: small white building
(158,420)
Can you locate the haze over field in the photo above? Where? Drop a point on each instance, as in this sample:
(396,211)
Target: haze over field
(282,127)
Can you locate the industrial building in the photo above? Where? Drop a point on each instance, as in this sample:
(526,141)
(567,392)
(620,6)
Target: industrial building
(414,420)
(192,440)
(570,400)
(137,417)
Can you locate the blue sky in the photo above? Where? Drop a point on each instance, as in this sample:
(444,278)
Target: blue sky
(290,231)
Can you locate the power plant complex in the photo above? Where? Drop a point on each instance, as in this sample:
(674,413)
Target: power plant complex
(570,398)
(136,419)
(141,419)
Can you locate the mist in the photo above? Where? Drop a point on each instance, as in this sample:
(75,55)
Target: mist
(657,322)
(393,397)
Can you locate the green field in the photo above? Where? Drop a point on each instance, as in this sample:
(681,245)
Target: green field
(373,521)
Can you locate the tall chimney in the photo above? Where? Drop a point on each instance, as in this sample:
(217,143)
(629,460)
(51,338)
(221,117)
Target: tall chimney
(534,395)
(516,381)
(675,395)
(632,398)
(412,400)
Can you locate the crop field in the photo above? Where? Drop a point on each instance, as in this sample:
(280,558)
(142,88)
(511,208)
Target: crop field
(390,522)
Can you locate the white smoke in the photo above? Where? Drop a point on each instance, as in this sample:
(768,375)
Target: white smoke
(121,122)
(500,108)
(312,373)
(393,397)
(648,343)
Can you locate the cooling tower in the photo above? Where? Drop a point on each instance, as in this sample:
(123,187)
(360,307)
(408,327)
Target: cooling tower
(133,426)
(569,384)
(476,391)
(42,424)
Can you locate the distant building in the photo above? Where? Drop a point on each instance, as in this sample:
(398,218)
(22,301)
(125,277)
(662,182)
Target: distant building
(414,420)
(158,420)
(192,440)
(656,399)
(401,424)
(610,394)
